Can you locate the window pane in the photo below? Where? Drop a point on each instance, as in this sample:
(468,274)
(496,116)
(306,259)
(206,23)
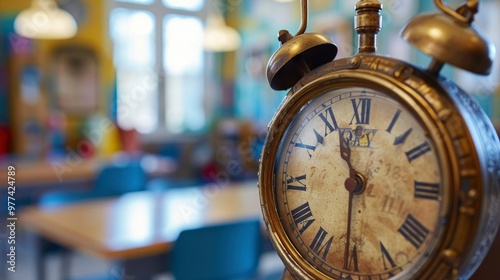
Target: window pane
(137,1)
(137,105)
(183,45)
(132,32)
(183,64)
(189,5)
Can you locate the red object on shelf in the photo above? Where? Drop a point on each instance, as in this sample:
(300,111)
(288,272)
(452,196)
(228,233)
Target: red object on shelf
(4,140)
(130,140)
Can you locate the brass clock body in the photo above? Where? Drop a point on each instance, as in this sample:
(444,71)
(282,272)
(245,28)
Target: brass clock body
(436,212)
(376,169)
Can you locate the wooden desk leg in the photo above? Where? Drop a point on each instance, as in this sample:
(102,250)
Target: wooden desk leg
(141,268)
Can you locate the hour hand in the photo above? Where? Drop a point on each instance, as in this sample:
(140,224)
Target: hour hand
(345,154)
(345,150)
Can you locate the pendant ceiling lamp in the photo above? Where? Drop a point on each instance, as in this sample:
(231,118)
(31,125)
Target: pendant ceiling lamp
(45,20)
(218,37)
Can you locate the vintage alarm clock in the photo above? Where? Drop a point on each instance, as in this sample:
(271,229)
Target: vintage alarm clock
(374,168)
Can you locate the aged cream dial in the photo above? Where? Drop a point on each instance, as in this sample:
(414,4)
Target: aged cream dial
(358,186)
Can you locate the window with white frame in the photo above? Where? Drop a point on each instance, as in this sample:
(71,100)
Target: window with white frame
(160,64)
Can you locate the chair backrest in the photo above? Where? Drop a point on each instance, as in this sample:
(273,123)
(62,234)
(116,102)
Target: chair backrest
(111,180)
(120,179)
(223,251)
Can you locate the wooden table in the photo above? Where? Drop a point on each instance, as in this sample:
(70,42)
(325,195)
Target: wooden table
(63,170)
(138,226)
(39,172)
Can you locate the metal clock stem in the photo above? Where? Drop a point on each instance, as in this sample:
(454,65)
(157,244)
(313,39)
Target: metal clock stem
(368,22)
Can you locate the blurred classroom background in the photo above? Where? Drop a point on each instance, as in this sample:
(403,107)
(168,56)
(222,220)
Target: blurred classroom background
(140,102)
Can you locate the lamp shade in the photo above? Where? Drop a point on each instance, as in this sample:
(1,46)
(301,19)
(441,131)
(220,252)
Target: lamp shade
(44,20)
(219,37)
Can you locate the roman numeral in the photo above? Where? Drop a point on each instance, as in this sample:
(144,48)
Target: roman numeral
(413,231)
(426,190)
(418,151)
(319,138)
(329,119)
(302,216)
(402,138)
(394,120)
(354,258)
(330,125)
(318,244)
(361,110)
(307,147)
(386,257)
(300,186)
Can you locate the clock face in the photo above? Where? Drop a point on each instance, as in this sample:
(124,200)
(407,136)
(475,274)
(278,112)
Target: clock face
(358,186)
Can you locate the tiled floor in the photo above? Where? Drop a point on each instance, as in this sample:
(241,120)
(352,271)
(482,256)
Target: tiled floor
(83,267)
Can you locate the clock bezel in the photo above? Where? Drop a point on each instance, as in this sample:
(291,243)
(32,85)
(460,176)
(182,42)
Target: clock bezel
(425,100)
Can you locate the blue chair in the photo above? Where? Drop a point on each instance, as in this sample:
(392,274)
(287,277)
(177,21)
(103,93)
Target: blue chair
(119,179)
(224,251)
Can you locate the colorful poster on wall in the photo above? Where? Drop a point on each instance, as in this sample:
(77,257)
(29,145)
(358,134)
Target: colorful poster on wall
(76,80)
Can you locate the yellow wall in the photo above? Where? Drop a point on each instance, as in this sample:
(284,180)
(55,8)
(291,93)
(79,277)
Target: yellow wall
(13,6)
